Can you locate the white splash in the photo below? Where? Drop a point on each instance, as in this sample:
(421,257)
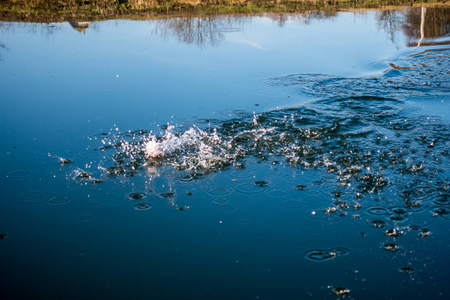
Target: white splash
(196,149)
(171,143)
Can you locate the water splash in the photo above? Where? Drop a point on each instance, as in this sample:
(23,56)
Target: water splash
(361,131)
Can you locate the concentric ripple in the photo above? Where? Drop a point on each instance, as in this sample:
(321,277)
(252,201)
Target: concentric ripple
(323,255)
(142,206)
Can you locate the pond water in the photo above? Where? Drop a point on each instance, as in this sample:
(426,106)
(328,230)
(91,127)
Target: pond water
(227,157)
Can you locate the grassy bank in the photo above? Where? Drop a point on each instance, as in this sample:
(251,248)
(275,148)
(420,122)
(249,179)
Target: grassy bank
(94,10)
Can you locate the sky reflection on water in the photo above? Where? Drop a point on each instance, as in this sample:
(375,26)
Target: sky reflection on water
(161,77)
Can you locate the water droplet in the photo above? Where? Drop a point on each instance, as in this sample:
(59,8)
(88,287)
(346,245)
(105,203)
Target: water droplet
(378,223)
(441,211)
(301,187)
(391,247)
(320,255)
(261,183)
(425,232)
(330,210)
(393,232)
(341,291)
(398,210)
(64,161)
(341,251)
(136,196)
(407,270)
(167,195)
(83,175)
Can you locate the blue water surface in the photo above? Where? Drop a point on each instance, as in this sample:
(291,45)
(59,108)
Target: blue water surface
(307,157)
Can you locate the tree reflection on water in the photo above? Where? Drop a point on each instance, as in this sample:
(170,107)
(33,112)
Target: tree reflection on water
(2,47)
(210,30)
(421,25)
(436,24)
(204,31)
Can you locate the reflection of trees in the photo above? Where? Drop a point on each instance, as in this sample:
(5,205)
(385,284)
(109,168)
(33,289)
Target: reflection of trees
(436,23)
(2,47)
(204,31)
(305,18)
(391,22)
(416,23)
(43,28)
(210,30)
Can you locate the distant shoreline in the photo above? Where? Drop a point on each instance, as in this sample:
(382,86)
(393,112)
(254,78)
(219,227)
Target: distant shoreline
(49,11)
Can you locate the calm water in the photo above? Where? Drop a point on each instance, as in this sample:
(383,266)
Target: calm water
(270,157)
